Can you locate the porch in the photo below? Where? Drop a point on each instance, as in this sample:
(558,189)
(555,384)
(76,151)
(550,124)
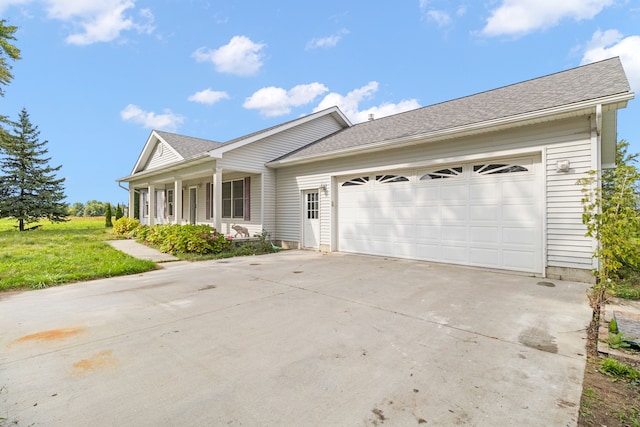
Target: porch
(219,198)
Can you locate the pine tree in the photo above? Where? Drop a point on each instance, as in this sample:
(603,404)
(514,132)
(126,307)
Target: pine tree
(29,189)
(107,215)
(119,212)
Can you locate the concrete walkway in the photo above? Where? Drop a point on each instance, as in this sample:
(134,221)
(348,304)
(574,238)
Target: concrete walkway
(296,338)
(140,251)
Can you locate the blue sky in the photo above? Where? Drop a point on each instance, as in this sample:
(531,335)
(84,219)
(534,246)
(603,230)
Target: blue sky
(96,76)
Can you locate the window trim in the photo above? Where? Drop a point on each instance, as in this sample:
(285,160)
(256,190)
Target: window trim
(232,200)
(170,202)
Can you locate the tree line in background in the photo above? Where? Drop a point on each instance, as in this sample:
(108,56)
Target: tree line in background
(96,208)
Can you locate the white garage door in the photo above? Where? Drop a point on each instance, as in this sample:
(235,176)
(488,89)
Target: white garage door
(486,213)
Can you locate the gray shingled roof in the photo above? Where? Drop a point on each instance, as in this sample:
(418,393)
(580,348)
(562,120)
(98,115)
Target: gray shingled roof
(188,146)
(588,82)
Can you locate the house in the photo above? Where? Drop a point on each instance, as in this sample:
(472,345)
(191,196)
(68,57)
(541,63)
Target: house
(486,180)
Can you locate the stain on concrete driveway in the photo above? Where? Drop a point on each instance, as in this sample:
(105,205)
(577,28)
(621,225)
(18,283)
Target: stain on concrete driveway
(297,338)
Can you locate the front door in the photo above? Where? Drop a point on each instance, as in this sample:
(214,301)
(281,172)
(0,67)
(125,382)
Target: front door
(311,220)
(193,205)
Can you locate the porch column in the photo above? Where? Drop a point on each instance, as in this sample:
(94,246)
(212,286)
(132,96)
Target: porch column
(177,201)
(152,204)
(132,201)
(216,197)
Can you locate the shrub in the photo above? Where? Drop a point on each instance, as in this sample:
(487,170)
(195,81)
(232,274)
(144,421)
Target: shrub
(126,227)
(189,238)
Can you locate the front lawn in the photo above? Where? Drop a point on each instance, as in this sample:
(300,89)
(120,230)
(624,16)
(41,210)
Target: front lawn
(60,253)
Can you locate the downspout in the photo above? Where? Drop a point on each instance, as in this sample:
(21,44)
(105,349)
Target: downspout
(126,189)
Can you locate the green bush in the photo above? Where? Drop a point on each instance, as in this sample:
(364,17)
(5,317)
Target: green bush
(126,227)
(189,238)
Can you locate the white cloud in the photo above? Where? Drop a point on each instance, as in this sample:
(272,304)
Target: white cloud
(94,20)
(519,17)
(275,101)
(612,43)
(326,42)
(240,56)
(349,104)
(208,96)
(167,121)
(441,17)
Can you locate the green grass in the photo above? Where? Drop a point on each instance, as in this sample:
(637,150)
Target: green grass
(61,253)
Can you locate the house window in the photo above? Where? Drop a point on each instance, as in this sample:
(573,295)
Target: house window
(495,168)
(233,199)
(356,181)
(386,179)
(312,206)
(170,202)
(443,173)
(145,201)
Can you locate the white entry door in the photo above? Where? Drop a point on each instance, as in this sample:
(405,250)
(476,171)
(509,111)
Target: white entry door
(311,220)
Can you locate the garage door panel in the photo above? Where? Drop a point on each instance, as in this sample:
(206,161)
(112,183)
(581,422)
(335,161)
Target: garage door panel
(489,257)
(519,190)
(452,213)
(426,233)
(429,252)
(452,193)
(482,217)
(483,235)
(454,254)
(454,233)
(485,191)
(519,260)
(426,195)
(484,212)
(521,214)
(427,214)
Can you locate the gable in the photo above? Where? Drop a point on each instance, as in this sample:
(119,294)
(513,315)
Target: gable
(161,155)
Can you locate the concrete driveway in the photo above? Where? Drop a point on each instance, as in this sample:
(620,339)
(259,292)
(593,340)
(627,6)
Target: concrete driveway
(296,338)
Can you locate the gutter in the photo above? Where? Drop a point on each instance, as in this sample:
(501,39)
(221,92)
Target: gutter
(202,158)
(613,101)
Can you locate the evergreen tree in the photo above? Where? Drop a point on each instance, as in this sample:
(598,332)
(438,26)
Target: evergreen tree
(7,51)
(107,215)
(119,212)
(29,189)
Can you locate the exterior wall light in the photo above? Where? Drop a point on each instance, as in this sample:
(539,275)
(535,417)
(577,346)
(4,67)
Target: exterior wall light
(563,165)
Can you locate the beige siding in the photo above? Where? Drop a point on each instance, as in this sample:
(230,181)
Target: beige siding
(162,156)
(567,245)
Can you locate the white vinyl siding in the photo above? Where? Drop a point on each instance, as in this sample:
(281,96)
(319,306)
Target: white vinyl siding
(252,157)
(565,230)
(567,245)
(162,156)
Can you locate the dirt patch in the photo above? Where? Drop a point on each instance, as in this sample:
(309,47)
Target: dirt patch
(101,360)
(605,401)
(51,335)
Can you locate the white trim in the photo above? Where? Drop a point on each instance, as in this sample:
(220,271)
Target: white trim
(545,230)
(519,152)
(195,219)
(147,150)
